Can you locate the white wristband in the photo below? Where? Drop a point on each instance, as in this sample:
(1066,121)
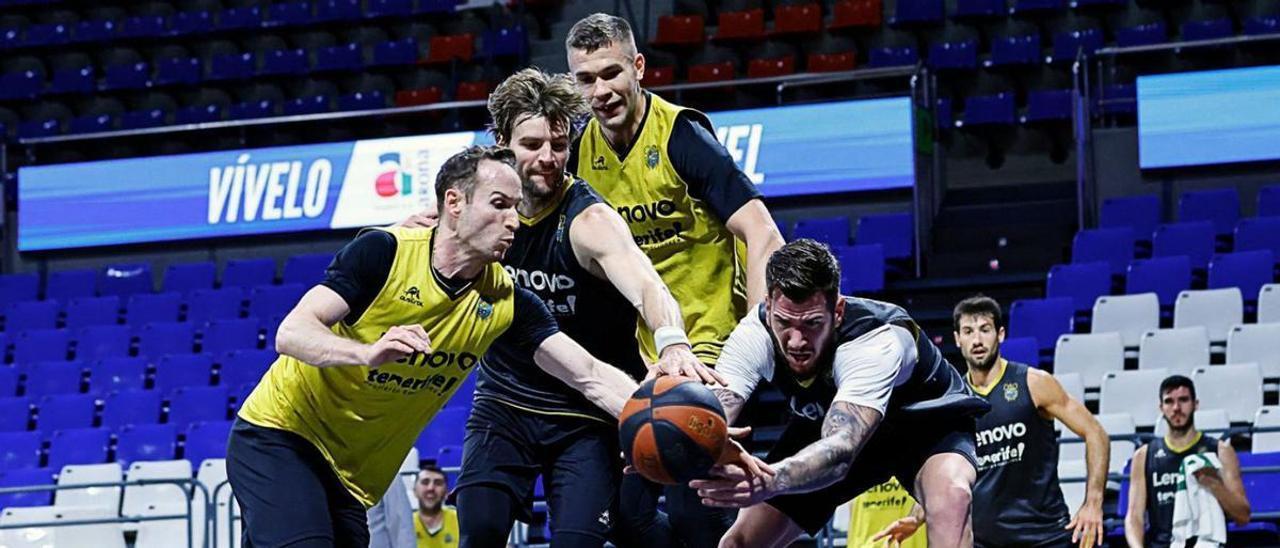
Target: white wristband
(668,335)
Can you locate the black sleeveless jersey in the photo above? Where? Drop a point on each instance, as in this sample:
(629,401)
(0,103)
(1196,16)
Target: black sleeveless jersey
(1017,498)
(934,388)
(1164,471)
(588,309)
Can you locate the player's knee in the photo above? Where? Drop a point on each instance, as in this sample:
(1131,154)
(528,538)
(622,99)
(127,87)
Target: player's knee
(951,501)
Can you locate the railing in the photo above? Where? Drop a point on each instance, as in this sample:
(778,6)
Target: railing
(182,483)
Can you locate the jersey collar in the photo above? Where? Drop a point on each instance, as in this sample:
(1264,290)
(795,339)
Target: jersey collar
(1184,448)
(552,205)
(644,122)
(983,391)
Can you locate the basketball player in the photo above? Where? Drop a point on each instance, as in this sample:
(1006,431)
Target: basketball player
(1017,498)
(687,206)
(574,252)
(1156,471)
(374,351)
(871,398)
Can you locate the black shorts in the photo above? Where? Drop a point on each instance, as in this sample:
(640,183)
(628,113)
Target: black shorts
(288,492)
(1056,539)
(898,448)
(578,459)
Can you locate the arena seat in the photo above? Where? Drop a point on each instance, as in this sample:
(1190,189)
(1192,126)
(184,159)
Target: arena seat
(956,55)
(1180,350)
(189,276)
(248,272)
(240,367)
(1255,343)
(895,232)
(8,382)
(917,12)
(1236,389)
(847,14)
(25,477)
(131,407)
(1216,309)
(1068,44)
(1164,276)
(862,270)
(1246,270)
(95,497)
(145,442)
(447,428)
(1211,29)
(87,311)
(1269,303)
(197,114)
(1258,233)
(1194,239)
(800,19)
(832,231)
(1091,356)
(1220,207)
(1015,49)
(892,56)
(1021,350)
(1213,422)
(744,25)
(153,307)
(1268,201)
(78,446)
(1267,442)
(206,440)
(1044,319)
(1082,282)
(1113,245)
(1116,425)
(40,345)
(19,450)
(188,404)
(223,335)
(107,375)
(155,339)
(1142,34)
(49,378)
(19,287)
(1048,105)
(31,315)
(93,123)
(1122,392)
(138,497)
(183,370)
(1128,315)
(386,8)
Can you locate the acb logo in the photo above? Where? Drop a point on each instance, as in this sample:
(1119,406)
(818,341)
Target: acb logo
(394,179)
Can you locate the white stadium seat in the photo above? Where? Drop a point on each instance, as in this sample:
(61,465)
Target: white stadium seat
(138,497)
(1072,384)
(1135,393)
(1236,389)
(1269,303)
(1212,421)
(83,474)
(169,533)
(1128,315)
(1180,350)
(212,473)
(1091,356)
(1216,309)
(1256,343)
(1267,417)
(1116,424)
(100,535)
(1072,491)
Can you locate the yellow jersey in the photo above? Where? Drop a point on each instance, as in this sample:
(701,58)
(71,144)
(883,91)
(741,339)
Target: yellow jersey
(364,419)
(447,535)
(687,242)
(875,509)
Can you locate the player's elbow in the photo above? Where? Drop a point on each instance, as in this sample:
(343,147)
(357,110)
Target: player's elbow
(1240,513)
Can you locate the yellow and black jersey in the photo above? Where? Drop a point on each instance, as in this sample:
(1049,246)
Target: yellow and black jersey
(676,187)
(365,419)
(878,507)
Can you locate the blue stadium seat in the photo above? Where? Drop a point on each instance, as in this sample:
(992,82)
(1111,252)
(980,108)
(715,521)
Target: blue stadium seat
(241,367)
(188,23)
(510,41)
(1258,233)
(117,374)
(31,315)
(156,339)
(1269,201)
(223,335)
(19,450)
(215,304)
(146,442)
(153,307)
(338,10)
(465,395)
(960,55)
(1211,29)
(50,378)
(34,129)
(47,34)
(344,57)
(833,231)
(288,13)
(450,456)
(67,284)
(1047,105)
(126,76)
(96,30)
(1067,45)
(206,440)
(20,85)
(1082,282)
(190,276)
(197,114)
(1248,270)
(40,345)
(910,12)
(284,61)
(240,394)
(94,123)
(311,104)
(87,311)
(8,381)
(248,272)
(65,411)
(1193,239)
(861,268)
(15,414)
(231,66)
(1110,245)
(893,231)
(250,110)
(1141,213)
(1044,319)
(386,8)
(979,8)
(437,6)
(20,287)
(26,477)
(395,52)
(989,110)
(307,270)
(1024,6)
(131,407)
(183,370)
(1144,34)
(1164,276)
(447,428)
(103,341)
(1015,50)
(892,56)
(142,119)
(78,446)
(143,26)
(272,301)
(243,17)
(272,325)
(134,278)
(1260,25)
(362,100)
(190,404)
(1261,488)
(1021,350)
(1221,207)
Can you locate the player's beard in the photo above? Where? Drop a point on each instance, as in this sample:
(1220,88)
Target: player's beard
(432,509)
(1187,425)
(987,362)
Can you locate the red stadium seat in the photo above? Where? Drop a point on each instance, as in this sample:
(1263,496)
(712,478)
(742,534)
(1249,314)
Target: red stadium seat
(856,13)
(680,30)
(797,19)
(659,76)
(832,62)
(413,97)
(472,91)
(711,72)
(741,25)
(443,49)
(779,66)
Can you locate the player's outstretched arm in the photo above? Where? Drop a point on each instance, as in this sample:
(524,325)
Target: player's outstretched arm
(304,334)
(752,224)
(604,245)
(1135,524)
(604,385)
(1053,401)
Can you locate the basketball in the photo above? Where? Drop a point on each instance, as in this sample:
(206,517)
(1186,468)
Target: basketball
(673,430)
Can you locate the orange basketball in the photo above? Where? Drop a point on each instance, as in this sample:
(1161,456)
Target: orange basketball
(673,430)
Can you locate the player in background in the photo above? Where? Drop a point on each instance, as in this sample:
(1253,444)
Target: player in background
(876,509)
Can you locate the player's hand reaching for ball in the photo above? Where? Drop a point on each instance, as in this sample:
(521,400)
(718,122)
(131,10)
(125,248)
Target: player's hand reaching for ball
(678,360)
(898,531)
(1086,525)
(740,479)
(398,342)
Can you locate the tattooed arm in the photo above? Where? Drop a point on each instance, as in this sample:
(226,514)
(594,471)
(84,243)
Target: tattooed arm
(845,430)
(731,402)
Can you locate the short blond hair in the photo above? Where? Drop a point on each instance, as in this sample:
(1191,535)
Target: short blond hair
(530,93)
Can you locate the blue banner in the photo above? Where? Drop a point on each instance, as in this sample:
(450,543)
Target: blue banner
(1209,117)
(810,149)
